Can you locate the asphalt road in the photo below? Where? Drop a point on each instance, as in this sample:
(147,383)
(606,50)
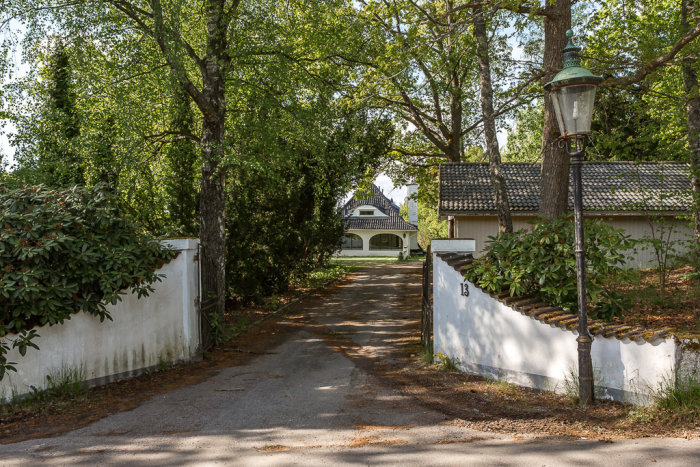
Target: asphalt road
(306,403)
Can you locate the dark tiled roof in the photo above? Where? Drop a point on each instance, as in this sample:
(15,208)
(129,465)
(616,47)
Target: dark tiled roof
(556,316)
(377,200)
(378,223)
(394,221)
(626,187)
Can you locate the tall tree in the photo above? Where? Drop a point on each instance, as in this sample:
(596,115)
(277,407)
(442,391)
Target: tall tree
(505,223)
(557,20)
(51,155)
(554,188)
(421,66)
(163,24)
(689,16)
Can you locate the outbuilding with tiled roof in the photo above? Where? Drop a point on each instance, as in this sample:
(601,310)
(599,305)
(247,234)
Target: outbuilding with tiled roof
(628,195)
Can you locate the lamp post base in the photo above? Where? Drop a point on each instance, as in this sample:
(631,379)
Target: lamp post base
(585,369)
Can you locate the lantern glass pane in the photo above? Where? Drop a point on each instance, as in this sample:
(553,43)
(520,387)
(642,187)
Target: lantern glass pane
(574,105)
(558,110)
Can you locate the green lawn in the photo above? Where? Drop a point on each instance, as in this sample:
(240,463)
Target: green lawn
(365,260)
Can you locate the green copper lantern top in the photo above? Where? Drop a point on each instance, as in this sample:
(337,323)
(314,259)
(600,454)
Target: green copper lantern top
(573,73)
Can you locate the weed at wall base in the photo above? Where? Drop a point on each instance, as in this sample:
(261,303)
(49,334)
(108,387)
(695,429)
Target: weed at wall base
(571,385)
(447,364)
(64,384)
(426,355)
(680,399)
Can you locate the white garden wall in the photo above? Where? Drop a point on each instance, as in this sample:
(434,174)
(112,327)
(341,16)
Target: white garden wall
(486,336)
(144,333)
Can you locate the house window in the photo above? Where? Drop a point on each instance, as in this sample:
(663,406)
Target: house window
(351,242)
(366,212)
(385,242)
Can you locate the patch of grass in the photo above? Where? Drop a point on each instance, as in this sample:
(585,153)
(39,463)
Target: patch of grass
(67,383)
(63,385)
(502,385)
(571,388)
(163,364)
(678,400)
(674,404)
(271,303)
(426,355)
(415,258)
(364,260)
(322,276)
(571,385)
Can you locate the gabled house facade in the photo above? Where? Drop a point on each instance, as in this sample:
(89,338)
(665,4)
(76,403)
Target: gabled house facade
(374,227)
(628,195)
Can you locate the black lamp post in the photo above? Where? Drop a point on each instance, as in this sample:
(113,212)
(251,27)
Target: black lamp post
(573,92)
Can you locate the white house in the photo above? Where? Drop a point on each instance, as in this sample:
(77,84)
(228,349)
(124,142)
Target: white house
(628,195)
(374,226)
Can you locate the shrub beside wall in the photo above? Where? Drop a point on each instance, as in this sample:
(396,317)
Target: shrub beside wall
(542,262)
(62,252)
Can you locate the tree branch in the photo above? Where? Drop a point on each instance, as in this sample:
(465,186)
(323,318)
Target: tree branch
(654,64)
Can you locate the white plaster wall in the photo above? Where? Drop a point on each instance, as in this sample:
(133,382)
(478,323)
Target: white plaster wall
(368,207)
(163,327)
(413,240)
(456,245)
(412,203)
(489,338)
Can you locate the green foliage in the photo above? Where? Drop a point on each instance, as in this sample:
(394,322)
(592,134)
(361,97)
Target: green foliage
(105,166)
(429,226)
(426,355)
(182,162)
(541,262)
(62,252)
(51,156)
(628,127)
(524,143)
(276,233)
(646,120)
(282,217)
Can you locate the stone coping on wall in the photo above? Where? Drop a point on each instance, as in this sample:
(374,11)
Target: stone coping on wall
(556,316)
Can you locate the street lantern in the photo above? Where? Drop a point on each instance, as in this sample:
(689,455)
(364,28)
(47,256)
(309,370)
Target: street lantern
(573,92)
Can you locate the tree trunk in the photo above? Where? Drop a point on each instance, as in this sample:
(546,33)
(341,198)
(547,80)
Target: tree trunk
(554,189)
(690,84)
(505,224)
(212,213)
(455,151)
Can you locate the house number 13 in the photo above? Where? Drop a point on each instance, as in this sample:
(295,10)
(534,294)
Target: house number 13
(465,289)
